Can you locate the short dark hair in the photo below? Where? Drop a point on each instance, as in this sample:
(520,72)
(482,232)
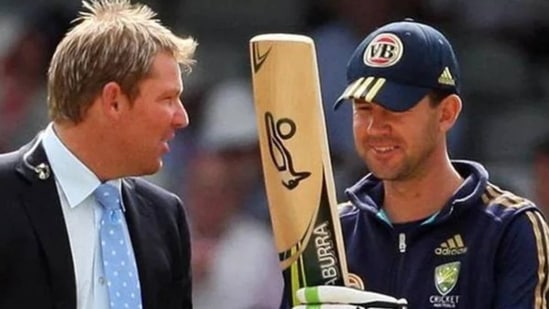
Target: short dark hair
(437,95)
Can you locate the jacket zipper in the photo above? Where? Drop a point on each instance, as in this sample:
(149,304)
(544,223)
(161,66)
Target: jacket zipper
(402,243)
(400,263)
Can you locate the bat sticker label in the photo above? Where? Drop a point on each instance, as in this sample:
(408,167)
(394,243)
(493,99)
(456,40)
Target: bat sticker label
(283,129)
(258,58)
(326,253)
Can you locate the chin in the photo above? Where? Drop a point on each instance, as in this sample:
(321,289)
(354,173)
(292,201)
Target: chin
(151,168)
(155,169)
(384,173)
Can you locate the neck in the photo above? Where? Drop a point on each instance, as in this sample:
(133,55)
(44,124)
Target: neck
(90,146)
(417,198)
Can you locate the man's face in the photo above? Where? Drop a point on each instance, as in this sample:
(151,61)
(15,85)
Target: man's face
(157,112)
(396,145)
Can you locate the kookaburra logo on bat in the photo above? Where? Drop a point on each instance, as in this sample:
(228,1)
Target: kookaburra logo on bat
(278,131)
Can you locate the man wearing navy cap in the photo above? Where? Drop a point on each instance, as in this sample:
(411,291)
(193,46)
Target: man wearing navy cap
(422,230)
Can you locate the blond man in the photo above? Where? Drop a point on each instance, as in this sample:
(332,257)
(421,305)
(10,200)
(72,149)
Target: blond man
(78,227)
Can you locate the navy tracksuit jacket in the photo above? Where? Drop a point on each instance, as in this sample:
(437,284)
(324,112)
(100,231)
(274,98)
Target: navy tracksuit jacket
(486,249)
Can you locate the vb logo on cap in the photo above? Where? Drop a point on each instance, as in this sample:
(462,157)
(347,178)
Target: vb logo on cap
(385,50)
(398,64)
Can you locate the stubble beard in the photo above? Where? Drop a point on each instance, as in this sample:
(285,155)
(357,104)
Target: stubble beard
(395,172)
(406,168)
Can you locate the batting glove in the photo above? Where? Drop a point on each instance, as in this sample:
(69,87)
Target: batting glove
(340,297)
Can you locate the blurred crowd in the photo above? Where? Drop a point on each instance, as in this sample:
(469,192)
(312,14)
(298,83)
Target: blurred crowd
(214,164)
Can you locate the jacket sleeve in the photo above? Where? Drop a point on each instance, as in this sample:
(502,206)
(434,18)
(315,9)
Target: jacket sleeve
(523,265)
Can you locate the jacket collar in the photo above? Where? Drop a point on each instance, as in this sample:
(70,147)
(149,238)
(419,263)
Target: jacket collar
(41,203)
(34,165)
(367,193)
(143,231)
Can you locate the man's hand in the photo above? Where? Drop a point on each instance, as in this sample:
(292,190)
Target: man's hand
(339,297)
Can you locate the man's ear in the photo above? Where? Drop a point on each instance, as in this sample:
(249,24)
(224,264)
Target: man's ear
(450,108)
(111,94)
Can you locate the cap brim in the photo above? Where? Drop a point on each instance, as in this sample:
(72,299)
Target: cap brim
(391,95)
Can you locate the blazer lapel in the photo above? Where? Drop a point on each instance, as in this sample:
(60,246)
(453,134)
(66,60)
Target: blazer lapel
(41,202)
(142,234)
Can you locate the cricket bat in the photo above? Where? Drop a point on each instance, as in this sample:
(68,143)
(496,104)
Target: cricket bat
(296,162)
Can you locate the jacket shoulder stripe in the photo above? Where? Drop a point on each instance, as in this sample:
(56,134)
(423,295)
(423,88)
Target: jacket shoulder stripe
(494,195)
(541,233)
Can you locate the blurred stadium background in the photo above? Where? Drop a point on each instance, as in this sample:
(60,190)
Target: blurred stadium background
(502,48)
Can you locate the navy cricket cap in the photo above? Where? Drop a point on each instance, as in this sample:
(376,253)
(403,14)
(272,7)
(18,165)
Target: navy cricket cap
(398,64)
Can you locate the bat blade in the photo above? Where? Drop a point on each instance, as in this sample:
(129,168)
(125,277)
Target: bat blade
(296,162)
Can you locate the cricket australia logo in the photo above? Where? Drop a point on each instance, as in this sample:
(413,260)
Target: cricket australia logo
(277,132)
(446,278)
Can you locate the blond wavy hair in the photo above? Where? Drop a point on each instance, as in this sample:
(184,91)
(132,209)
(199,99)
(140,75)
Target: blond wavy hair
(113,40)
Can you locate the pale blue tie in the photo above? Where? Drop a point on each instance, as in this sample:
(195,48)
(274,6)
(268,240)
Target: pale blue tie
(118,262)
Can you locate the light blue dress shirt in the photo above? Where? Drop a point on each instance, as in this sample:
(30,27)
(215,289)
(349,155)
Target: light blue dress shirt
(75,184)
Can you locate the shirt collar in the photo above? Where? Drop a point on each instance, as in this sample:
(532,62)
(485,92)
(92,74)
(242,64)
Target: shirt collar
(75,179)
